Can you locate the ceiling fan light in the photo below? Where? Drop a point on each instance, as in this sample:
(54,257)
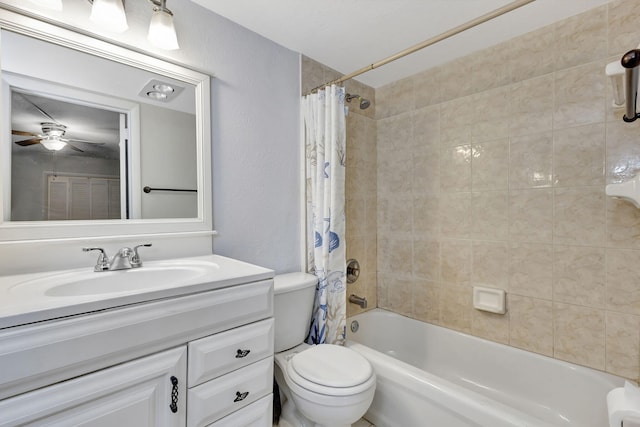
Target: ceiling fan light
(110,15)
(53,144)
(49,4)
(162,32)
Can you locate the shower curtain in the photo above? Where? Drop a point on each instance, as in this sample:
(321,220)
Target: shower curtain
(323,115)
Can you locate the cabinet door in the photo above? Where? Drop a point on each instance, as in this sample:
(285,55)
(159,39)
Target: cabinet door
(133,394)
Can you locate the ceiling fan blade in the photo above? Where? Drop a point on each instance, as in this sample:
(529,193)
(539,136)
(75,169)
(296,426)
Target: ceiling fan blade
(27,142)
(75,148)
(83,141)
(38,108)
(23,133)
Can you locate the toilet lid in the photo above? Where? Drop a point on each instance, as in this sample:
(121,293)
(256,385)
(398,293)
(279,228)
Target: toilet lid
(332,366)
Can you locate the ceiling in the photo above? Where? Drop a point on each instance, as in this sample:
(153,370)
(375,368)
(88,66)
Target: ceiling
(349,35)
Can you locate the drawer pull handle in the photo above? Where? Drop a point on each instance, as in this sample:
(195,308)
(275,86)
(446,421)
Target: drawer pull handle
(174,395)
(241,396)
(242,353)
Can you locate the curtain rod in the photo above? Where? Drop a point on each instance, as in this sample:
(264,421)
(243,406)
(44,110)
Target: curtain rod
(452,32)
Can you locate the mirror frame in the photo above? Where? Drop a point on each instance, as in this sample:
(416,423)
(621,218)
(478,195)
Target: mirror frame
(91,229)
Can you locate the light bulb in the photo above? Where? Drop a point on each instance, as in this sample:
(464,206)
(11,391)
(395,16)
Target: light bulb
(110,15)
(162,32)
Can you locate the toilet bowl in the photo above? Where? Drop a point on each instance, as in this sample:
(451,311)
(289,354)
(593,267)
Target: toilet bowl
(323,385)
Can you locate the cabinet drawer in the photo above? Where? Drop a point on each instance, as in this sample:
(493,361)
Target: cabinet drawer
(258,414)
(213,400)
(222,353)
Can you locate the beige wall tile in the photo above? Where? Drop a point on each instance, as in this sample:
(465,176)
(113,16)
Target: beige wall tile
(623,224)
(579,156)
(531,161)
(579,275)
(395,214)
(490,165)
(531,324)
(455,261)
(491,68)
(531,270)
(426,301)
(426,259)
(427,86)
(532,106)
(456,117)
(490,326)
(395,98)
(399,296)
(491,114)
(579,215)
(426,221)
(426,173)
(532,54)
(455,303)
(490,264)
(454,79)
(579,335)
(394,134)
(531,215)
(579,98)
(490,215)
(395,255)
(426,128)
(581,38)
(623,281)
(623,26)
(623,345)
(455,168)
(455,215)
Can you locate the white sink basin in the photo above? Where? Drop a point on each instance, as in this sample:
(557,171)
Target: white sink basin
(153,276)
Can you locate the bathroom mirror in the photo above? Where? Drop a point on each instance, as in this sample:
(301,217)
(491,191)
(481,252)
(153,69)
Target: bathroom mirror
(96,139)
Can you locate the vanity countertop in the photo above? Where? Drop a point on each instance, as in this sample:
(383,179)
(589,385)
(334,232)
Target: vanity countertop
(28,298)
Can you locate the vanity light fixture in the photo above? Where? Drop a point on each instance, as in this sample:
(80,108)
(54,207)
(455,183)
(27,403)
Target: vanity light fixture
(110,14)
(162,32)
(49,4)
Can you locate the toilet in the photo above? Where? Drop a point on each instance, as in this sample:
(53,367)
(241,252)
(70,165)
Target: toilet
(323,385)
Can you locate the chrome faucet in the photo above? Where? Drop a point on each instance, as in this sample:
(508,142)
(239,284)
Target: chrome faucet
(125,259)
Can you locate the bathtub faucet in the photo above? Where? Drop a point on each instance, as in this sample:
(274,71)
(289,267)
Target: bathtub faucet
(361,301)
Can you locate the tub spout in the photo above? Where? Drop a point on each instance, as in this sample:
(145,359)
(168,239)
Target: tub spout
(355,299)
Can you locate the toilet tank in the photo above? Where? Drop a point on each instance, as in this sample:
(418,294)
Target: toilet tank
(293,304)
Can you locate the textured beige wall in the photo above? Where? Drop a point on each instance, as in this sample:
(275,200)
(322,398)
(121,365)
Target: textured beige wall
(361,192)
(492,172)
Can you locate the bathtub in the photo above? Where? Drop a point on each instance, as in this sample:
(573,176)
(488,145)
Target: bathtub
(430,376)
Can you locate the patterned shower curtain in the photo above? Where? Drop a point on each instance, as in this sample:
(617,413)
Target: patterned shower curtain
(324,126)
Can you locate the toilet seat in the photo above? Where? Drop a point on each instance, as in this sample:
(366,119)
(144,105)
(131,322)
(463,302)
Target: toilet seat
(331,370)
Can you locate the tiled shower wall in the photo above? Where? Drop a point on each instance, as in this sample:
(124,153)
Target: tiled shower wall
(491,171)
(361,191)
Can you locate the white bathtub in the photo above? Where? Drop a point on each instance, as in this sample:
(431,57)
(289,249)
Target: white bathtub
(430,376)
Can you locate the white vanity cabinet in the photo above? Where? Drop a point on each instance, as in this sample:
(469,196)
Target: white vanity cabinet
(195,360)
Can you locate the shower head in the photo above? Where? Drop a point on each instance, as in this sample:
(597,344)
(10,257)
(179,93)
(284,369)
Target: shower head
(364,103)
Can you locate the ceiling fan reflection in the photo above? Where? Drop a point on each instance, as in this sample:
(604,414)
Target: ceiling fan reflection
(52,136)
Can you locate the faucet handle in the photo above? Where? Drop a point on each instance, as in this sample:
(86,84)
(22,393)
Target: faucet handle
(135,260)
(103,260)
